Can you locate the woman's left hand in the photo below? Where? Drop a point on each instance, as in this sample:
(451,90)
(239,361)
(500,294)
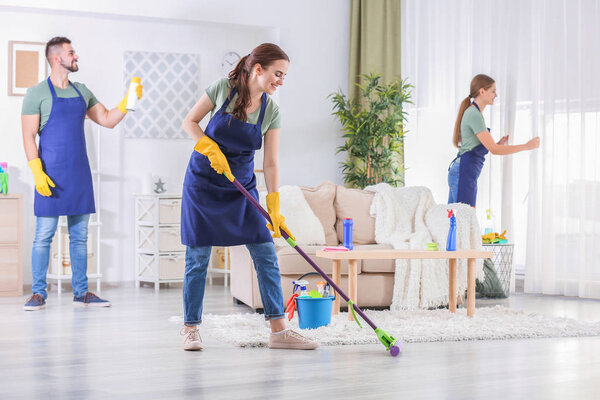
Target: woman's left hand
(277,220)
(503,140)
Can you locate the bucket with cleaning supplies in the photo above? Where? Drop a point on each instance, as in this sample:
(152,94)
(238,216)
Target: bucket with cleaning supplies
(314,307)
(314,312)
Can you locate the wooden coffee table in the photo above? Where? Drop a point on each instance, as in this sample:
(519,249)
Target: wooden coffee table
(385,254)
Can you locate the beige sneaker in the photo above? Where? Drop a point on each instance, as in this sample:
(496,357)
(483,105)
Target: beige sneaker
(289,339)
(192,341)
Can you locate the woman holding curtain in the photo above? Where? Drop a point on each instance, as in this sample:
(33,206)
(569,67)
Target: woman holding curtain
(474,141)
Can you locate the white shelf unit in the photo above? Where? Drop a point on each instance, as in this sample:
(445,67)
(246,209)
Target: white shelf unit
(225,270)
(159,254)
(56,273)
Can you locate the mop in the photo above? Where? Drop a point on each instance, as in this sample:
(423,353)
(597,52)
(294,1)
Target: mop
(391,344)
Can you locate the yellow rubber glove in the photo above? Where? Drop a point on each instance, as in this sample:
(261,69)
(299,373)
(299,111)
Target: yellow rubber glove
(217,159)
(138,92)
(490,236)
(278,221)
(41,179)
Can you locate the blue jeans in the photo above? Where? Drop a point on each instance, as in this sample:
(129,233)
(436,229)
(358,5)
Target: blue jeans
(267,270)
(45,227)
(453,174)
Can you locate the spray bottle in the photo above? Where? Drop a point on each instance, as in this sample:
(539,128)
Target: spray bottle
(451,242)
(347,233)
(131,93)
(488,226)
(302,285)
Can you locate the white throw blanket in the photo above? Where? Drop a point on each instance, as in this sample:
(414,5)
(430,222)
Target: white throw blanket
(299,217)
(407,218)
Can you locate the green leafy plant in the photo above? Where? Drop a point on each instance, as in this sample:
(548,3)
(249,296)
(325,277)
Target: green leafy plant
(373,126)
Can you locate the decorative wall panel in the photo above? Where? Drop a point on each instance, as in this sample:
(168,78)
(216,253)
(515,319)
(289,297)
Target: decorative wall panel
(171,88)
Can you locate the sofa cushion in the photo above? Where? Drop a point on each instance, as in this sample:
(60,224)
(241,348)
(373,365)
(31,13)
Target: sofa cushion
(355,204)
(320,199)
(376,266)
(292,263)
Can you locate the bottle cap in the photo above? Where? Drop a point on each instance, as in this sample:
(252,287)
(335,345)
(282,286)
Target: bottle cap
(348,218)
(136,80)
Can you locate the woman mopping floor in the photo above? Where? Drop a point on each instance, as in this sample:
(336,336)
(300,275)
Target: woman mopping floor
(214,212)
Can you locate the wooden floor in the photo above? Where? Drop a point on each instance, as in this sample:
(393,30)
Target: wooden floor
(131,351)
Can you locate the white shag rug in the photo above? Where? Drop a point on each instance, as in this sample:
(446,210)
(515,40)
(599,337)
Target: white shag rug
(489,323)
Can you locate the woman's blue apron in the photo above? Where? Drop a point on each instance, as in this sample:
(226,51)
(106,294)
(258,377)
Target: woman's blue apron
(213,211)
(471,164)
(64,159)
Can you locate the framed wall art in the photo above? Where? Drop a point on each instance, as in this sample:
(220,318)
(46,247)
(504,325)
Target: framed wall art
(27,66)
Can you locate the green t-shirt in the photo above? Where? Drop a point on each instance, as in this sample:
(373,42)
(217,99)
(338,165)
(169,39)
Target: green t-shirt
(471,124)
(38,99)
(218,92)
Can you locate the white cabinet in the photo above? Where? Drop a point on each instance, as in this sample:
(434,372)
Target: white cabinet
(11,244)
(159,254)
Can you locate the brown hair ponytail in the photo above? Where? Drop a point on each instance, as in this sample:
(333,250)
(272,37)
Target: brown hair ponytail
(265,55)
(480,81)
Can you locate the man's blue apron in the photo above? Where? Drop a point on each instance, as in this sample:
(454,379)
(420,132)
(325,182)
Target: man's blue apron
(213,211)
(64,159)
(471,163)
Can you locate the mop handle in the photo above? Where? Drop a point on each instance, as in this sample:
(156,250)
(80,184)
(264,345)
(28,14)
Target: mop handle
(303,254)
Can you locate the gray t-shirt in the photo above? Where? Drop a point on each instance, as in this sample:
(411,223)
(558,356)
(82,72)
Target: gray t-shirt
(218,92)
(38,99)
(471,124)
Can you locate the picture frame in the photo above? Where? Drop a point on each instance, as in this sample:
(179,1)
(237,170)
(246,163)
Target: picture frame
(27,66)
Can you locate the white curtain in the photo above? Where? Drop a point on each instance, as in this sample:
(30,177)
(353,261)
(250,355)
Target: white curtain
(544,57)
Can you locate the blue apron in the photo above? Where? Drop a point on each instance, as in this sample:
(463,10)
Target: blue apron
(64,159)
(471,163)
(213,211)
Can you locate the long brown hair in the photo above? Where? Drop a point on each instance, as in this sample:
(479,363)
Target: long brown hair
(480,81)
(265,55)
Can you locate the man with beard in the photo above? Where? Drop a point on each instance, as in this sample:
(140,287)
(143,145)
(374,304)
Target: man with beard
(55,109)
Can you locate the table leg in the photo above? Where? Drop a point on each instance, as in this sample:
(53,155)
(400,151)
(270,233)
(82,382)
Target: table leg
(336,276)
(471,265)
(352,284)
(452,285)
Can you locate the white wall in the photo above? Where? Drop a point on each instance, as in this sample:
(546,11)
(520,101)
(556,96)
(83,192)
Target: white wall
(314,35)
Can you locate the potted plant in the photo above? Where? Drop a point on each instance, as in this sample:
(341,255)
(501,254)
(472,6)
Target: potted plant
(373,126)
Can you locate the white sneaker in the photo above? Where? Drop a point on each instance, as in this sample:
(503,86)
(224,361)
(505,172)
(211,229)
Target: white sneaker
(192,341)
(290,339)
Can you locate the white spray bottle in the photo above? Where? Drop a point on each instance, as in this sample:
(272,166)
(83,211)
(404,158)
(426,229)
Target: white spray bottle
(131,93)
(302,284)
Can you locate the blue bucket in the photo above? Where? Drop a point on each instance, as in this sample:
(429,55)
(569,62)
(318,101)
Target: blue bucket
(314,312)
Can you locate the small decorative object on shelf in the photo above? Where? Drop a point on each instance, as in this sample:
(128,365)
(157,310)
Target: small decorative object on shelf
(159,186)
